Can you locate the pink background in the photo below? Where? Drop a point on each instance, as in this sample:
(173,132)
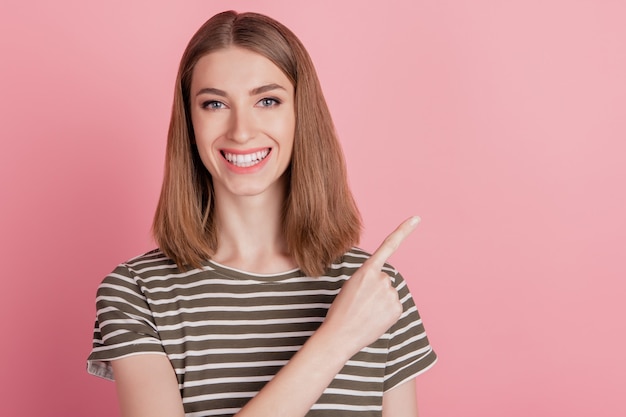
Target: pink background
(503,124)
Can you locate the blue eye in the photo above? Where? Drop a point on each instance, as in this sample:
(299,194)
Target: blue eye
(213,105)
(269,102)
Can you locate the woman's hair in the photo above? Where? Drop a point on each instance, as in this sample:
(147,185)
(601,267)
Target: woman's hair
(321,220)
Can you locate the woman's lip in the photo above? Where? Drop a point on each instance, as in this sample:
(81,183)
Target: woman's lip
(244,151)
(246,161)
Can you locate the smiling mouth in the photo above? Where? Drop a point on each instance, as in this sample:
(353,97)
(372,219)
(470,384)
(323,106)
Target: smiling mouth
(246,160)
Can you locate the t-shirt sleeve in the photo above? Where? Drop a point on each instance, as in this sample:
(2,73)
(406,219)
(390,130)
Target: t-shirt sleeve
(410,352)
(124,323)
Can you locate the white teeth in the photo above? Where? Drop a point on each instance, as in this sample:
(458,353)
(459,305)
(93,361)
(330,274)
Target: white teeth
(246,160)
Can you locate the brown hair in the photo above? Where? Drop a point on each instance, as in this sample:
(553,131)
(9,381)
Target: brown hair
(321,220)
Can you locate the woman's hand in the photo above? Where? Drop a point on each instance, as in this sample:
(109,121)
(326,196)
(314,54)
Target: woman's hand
(367,305)
(364,309)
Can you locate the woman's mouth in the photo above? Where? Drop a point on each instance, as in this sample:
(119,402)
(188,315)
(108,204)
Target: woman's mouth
(244,160)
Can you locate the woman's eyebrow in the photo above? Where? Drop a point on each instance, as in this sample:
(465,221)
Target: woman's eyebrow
(266,88)
(209,90)
(255,91)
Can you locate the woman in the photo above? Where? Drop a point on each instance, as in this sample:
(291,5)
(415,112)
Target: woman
(246,308)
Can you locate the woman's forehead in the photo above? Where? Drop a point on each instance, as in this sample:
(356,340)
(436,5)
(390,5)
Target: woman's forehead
(236,68)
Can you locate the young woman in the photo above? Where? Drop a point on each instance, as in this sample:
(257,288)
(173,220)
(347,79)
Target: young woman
(257,302)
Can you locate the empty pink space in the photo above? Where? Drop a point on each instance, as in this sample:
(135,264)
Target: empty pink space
(500,123)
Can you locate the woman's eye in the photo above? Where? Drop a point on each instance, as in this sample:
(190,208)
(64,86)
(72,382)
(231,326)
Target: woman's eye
(213,105)
(269,102)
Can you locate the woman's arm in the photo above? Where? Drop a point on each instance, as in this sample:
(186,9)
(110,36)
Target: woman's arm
(365,308)
(147,386)
(401,401)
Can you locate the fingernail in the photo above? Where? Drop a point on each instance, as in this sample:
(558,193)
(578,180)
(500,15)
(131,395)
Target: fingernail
(415,220)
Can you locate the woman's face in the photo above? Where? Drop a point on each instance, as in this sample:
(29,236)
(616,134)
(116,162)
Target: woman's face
(243,115)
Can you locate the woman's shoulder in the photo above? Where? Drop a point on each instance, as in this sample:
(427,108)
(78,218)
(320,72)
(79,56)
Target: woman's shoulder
(151,263)
(354,255)
(354,259)
(154,258)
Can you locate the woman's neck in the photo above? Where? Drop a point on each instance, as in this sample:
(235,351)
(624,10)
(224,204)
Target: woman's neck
(250,232)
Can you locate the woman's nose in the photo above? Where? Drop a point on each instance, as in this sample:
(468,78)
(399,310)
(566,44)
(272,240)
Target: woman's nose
(242,126)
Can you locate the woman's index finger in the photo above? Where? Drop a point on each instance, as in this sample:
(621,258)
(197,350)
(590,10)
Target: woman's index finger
(392,243)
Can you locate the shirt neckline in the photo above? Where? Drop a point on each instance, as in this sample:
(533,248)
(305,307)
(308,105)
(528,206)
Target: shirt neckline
(235,273)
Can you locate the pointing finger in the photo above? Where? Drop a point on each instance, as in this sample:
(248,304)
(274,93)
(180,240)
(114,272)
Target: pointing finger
(392,243)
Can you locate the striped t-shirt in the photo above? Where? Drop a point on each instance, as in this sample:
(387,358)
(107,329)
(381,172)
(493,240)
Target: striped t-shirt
(227,332)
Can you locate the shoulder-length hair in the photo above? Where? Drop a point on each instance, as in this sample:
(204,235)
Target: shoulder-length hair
(320,218)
